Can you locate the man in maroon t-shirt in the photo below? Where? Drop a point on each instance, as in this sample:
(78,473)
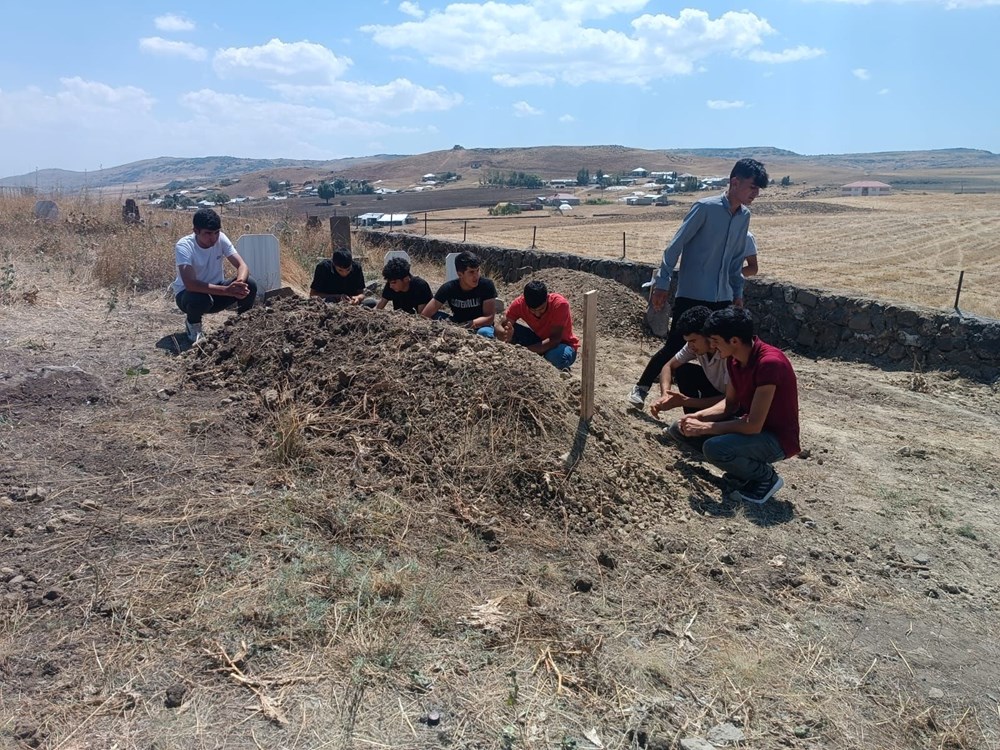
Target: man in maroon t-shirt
(548,328)
(758,422)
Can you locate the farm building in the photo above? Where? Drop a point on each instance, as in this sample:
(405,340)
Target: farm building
(367,220)
(561,198)
(390,219)
(866,187)
(639,172)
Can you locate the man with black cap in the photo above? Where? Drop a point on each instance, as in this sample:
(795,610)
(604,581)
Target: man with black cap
(548,328)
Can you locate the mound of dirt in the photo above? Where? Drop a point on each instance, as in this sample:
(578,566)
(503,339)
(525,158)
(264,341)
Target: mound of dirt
(774,208)
(424,409)
(620,311)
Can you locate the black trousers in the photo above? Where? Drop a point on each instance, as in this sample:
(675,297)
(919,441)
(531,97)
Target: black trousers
(196,304)
(674,340)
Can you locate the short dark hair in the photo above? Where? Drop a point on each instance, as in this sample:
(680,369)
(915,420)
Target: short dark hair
(466,260)
(693,320)
(206,218)
(396,269)
(342,258)
(750,168)
(732,322)
(536,293)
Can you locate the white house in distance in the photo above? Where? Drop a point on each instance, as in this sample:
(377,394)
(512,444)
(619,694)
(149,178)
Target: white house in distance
(866,187)
(386,220)
(639,172)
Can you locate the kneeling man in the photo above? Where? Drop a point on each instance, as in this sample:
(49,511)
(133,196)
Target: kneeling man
(698,370)
(407,293)
(472,297)
(340,279)
(549,325)
(757,424)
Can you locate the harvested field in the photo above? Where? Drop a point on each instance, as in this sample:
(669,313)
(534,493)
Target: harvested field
(904,247)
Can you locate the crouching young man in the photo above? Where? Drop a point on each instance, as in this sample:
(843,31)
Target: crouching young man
(200,287)
(757,424)
(698,370)
(471,297)
(548,328)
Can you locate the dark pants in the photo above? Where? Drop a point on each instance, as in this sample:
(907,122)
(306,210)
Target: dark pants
(196,304)
(691,380)
(674,340)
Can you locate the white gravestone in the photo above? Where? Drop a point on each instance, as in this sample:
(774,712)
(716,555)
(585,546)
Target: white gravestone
(262,254)
(449,267)
(395,254)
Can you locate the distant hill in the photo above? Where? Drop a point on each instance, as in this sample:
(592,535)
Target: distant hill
(902,168)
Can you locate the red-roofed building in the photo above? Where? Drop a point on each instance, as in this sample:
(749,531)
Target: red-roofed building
(866,187)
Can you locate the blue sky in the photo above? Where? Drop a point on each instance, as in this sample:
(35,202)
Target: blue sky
(85,85)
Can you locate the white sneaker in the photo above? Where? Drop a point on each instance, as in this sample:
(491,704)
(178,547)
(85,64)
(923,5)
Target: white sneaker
(638,395)
(194,333)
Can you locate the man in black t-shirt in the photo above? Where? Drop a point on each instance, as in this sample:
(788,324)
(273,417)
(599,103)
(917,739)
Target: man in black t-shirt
(340,279)
(405,292)
(471,297)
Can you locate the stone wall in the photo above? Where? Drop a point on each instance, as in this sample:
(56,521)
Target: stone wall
(811,322)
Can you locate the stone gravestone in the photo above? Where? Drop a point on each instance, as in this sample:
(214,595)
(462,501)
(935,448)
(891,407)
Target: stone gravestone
(340,232)
(449,267)
(130,212)
(263,255)
(395,254)
(46,210)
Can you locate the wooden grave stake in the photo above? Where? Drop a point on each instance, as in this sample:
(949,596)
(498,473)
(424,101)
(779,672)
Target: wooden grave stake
(589,354)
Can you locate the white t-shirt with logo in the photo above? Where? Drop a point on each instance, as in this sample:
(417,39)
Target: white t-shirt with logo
(206,261)
(713,364)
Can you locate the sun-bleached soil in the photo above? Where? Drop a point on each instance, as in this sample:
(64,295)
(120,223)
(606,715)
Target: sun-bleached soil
(331,527)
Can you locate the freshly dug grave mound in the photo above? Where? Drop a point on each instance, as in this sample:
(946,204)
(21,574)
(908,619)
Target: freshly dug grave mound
(620,311)
(410,407)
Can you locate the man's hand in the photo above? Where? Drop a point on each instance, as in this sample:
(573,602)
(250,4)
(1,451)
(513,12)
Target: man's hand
(238,289)
(357,299)
(669,400)
(658,299)
(738,302)
(691,427)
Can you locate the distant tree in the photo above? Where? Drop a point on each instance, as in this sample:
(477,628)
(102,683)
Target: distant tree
(365,188)
(326,191)
(218,198)
(225,182)
(153,196)
(602,179)
(456,147)
(688,184)
(583,177)
(339,185)
(274,186)
(504,209)
(786,181)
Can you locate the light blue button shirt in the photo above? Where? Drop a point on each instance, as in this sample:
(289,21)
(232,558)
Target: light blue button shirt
(710,245)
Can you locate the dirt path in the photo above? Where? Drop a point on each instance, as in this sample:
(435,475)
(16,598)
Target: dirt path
(158,574)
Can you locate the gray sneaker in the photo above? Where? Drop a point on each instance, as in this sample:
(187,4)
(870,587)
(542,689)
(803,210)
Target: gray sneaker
(194,333)
(759,493)
(638,395)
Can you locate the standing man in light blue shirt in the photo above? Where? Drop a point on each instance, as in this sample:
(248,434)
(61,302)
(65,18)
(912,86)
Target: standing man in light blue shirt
(710,245)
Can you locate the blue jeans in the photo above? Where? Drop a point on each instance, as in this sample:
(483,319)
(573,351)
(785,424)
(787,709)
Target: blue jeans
(486,331)
(562,356)
(746,457)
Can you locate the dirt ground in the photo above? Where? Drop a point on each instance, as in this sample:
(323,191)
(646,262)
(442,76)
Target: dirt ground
(330,527)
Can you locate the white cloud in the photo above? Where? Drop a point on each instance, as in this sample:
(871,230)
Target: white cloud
(567,118)
(279,60)
(397,97)
(883,92)
(411,9)
(523,109)
(946,4)
(794,54)
(532,78)
(725,104)
(861,74)
(173,22)
(536,43)
(155,45)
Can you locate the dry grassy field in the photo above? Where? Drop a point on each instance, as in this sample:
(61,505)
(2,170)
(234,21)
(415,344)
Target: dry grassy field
(907,247)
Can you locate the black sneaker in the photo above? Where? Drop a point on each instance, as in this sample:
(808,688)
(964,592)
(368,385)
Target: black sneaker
(759,493)
(733,482)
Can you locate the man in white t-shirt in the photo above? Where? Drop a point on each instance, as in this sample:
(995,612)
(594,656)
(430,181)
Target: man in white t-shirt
(200,286)
(698,370)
